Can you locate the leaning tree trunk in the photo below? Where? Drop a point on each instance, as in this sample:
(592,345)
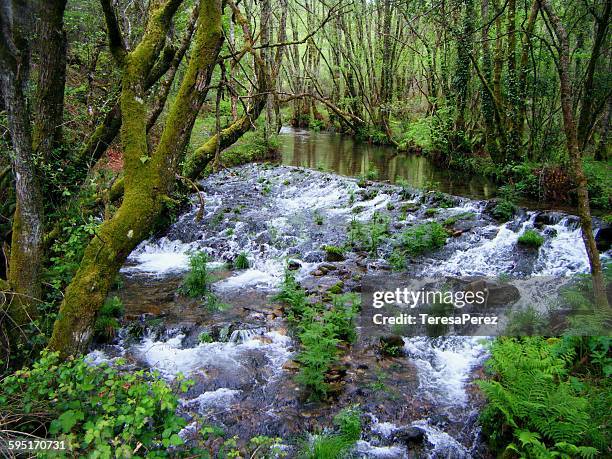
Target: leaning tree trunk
(569,125)
(148,176)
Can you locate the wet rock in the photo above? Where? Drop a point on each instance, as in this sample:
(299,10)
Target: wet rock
(603,239)
(291,365)
(293,265)
(409,435)
(409,206)
(318,273)
(327,267)
(333,255)
(498,294)
(546,218)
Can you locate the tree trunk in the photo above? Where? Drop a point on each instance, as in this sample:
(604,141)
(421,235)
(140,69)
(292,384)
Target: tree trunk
(584,211)
(27,240)
(585,122)
(48,118)
(148,177)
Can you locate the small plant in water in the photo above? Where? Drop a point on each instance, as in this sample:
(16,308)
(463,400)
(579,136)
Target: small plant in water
(531,238)
(196,283)
(423,238)
(242,261)
(205,337)
(318,218)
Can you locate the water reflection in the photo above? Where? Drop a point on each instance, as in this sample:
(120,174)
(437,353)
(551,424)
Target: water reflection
(345,156)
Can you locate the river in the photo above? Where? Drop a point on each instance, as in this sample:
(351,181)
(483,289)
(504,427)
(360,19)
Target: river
(244,377)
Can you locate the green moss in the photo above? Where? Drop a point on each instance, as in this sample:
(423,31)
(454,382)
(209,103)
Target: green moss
(333,252)
(531,238)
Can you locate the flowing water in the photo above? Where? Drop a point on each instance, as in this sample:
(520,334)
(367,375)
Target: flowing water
(243,370)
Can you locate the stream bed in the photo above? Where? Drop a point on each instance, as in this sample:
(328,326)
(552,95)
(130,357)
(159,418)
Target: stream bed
(419,404)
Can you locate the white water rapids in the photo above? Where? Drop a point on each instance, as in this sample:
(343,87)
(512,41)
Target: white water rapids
(275,214)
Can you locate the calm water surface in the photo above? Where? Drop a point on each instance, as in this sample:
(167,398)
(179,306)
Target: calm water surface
(346,156)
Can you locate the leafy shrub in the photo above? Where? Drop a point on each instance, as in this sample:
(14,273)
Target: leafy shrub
(536,407)
(348,422)
(503,211)
(531,238)
(205,337)
(422,238)
(98,411)
(369,235)
(598,179)
(371,174)
(417,135)
(242,261)
(107,321)
(316,124)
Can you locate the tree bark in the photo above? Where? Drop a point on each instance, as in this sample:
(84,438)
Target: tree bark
(27,239)
(48,118)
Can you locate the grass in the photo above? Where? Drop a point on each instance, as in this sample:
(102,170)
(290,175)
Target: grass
(462,216)
(338,444)
(196,283)
(531,238)
(198,280)
(242,261)
(325,447)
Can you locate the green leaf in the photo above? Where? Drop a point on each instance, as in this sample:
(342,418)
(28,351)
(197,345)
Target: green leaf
(68,419)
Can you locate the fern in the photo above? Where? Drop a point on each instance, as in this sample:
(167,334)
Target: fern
(535,396)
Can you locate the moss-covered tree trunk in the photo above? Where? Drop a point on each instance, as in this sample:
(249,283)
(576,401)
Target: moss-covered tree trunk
(149,176)
(27,232)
